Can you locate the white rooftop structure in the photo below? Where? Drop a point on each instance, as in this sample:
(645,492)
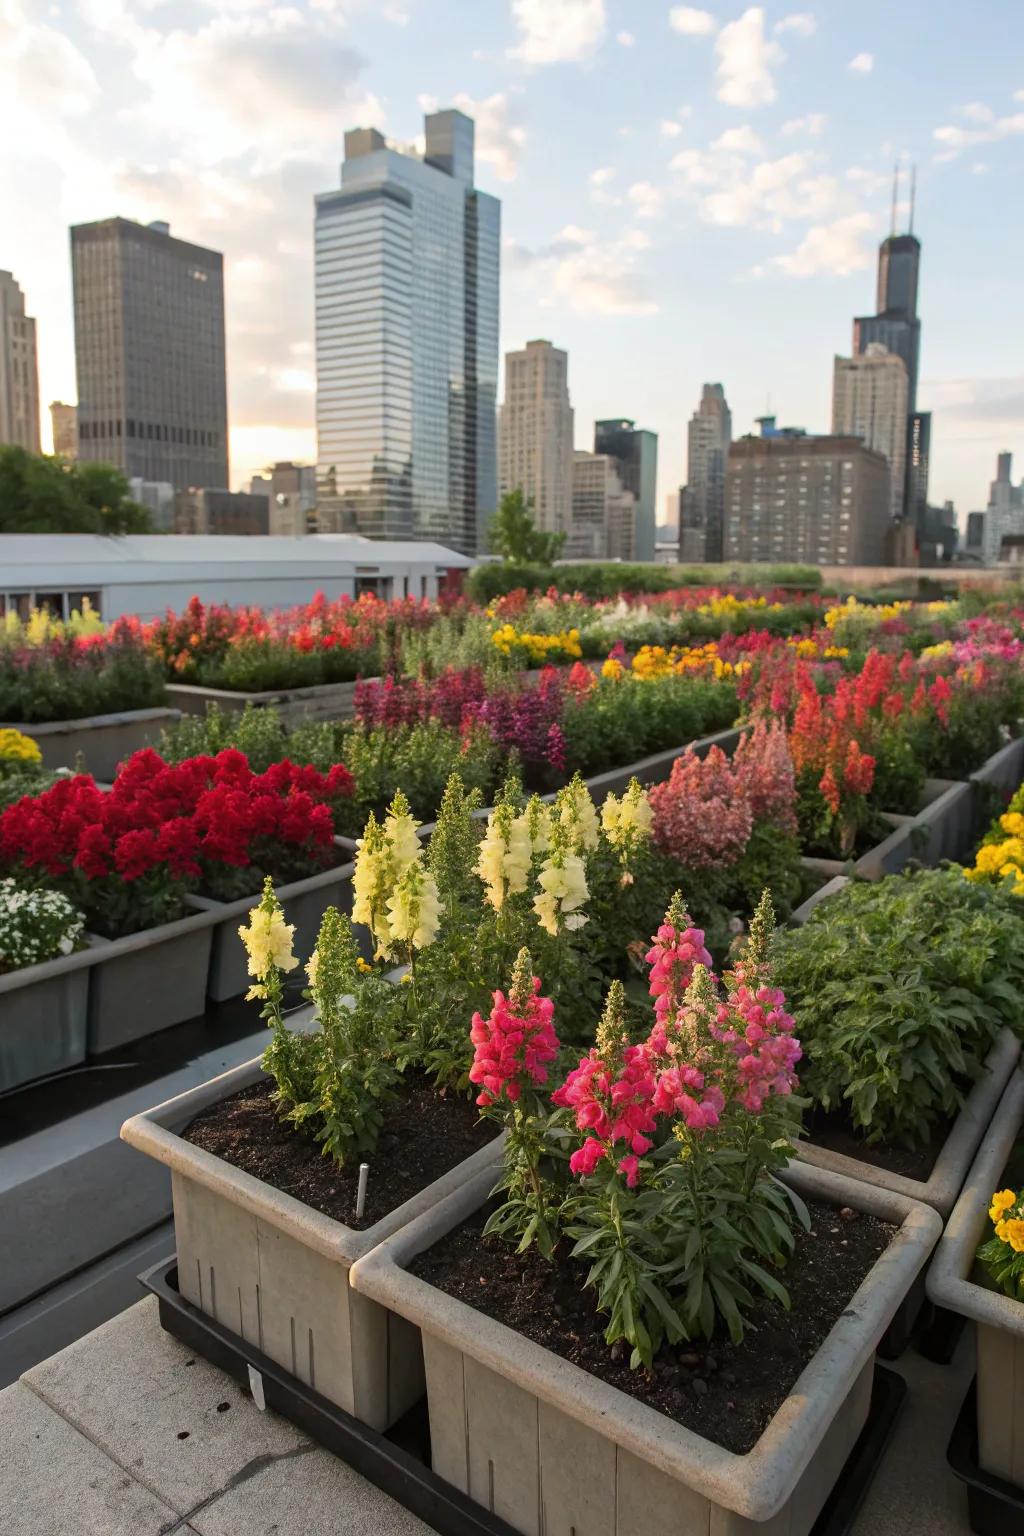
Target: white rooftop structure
(145,574)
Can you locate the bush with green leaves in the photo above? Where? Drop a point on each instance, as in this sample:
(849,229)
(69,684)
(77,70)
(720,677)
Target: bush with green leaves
(901,987)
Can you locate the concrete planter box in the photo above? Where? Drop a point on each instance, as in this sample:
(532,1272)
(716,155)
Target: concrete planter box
(322,701)
(304,902)
(277,1272)
(1000,1321)
(101,741)
(148,981)
(1004,770)
(834,883)
(942,829)
(943,1185)
(44,1012)
(549,1448)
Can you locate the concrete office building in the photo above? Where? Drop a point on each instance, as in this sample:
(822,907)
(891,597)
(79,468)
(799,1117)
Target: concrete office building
(1004,515)
(407,280)
(869,401)
(603,512)
(702,499)
(223,512)
(64,425)
(635,452)
(806,499)
(291,492)
(535,437)
(149,353)
(19,369)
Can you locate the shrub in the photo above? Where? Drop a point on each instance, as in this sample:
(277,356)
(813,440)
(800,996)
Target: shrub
(901,987)
(68,677)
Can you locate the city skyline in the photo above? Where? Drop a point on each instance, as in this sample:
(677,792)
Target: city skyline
(713,214)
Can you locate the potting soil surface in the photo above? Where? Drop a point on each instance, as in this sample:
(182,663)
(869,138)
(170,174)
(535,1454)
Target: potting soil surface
(422,1137)
(726,1392)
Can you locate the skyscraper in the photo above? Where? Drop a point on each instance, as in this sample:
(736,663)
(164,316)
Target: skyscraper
(635,452)
(149,353)
(64,422)
(869,401)
(19,374)
(703,496)
(603,511)
(407,279)
(535,435)
(897,328)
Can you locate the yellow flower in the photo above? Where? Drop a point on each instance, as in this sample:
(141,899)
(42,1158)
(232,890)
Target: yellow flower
(15,745)
(612,668)
(627,822)
(503,860)
(1001,1201)
(563,890)
(268,942)
(1013,1233)
(575,811)
(1012,822)
(414,909)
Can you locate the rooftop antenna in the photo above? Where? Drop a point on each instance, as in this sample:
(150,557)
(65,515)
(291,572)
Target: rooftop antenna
(895,195)
(913,193)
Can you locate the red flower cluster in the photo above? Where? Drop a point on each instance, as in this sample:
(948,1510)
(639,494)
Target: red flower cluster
(512,1048)
(190,818)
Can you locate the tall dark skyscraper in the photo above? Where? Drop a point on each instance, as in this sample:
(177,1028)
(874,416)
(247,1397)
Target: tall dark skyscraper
(635,452)
(897,328)
(149,353)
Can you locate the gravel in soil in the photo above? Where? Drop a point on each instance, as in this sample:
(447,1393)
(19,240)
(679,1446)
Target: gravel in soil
(423,1136)
(835,1132)
(726,1392)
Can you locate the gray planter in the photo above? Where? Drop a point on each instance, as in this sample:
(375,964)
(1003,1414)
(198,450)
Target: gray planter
(148,981)
(100,741)
(548,1447)
(832,884)
(304,902)
(44,1013)
(1000,1320)
(277,1272)
(1004,770)
(942,829)
(945,1181)
(321,701)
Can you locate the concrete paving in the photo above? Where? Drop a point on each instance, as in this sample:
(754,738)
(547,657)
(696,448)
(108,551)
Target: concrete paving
(128,1433)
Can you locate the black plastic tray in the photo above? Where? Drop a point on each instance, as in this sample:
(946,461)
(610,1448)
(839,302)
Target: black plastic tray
(994,1507)
(399,1462)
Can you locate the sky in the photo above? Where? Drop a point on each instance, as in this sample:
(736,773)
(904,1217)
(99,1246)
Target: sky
(688,194)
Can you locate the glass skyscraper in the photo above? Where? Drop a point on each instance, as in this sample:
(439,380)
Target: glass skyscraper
(150,354)
(407,281)
(635,451)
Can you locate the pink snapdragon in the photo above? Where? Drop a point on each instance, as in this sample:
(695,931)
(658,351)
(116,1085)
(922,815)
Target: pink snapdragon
(677,947)
(702,812)
(512,1046)
(612,1103)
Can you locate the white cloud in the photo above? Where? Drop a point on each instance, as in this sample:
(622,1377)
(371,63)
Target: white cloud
(834,249)
(802,23)
(813,125)
(977,112)
(625,39)
(499,137)
(1018,95)
(862,63)
(731,192)
(740,141)
(980,168)
(601,176)
(690,21)
(684,112)
(589,275)
(647,199)
(953,138)
(427,103)
(669,129)
(745,61)
(557,31)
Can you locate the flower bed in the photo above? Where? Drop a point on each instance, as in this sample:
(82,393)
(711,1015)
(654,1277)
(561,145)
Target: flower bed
(957,1280)
(907,996)
(56,674)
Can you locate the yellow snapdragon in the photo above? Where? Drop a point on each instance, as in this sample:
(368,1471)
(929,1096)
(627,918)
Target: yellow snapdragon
(562,891)
(17,747)
(503,861)
(268,942)
(414,907)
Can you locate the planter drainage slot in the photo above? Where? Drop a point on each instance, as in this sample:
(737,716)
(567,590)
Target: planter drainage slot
(994,1507)
(399,1462)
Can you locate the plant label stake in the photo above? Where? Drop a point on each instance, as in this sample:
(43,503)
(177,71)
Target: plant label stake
(364,1174)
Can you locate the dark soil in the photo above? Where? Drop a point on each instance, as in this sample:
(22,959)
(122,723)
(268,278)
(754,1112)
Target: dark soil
(835,1132)
(726,1392)
(423,1136)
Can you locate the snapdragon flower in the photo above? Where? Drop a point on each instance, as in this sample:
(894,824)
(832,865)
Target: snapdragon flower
(268,941)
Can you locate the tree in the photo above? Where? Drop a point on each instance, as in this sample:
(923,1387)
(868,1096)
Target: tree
(40,493)
(514,535)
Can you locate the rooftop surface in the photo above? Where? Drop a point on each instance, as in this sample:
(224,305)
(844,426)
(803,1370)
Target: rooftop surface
(156,556)
(128,1433)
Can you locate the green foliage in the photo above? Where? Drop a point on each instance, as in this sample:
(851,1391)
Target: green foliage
(899,988)
(514,535)
(608,578)
(18,778)
(39,684)
(618,724)
(418,759)
(43,494)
